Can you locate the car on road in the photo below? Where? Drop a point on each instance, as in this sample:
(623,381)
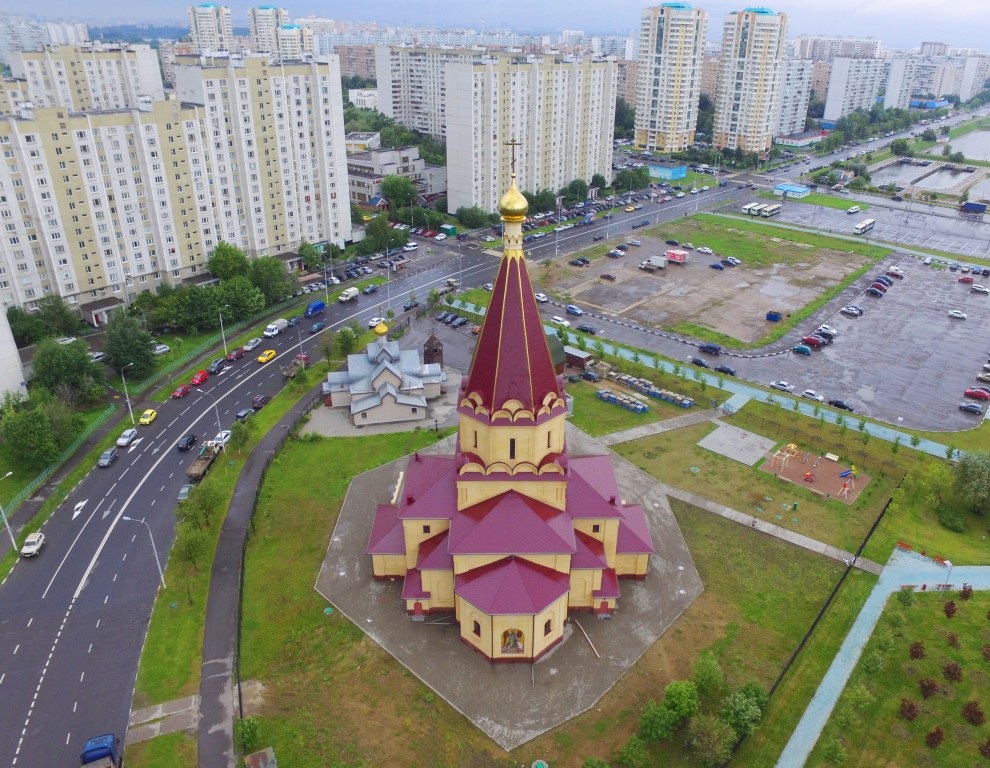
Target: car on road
(317,327)
(851,310)
(409,304)
(148,416)
(558,320)
(629,208)
(589,329)
(222,437)
(598,238)
(956,314)
(33,544)
(728,370)
(127,437)
(98,357)
(266,356)
(607,276)
(374,321)
(161,349)
(370,289)
(252,344)
(977,393)
(706,250)
(244,414)
(108,457)
(441,236)
(782,386)
(717,265)
(182,391)
(235,354)
(216,366)
(186,442)
(573,309)
(980,289)
(874,293)
(184,492)
(699,362)
(971,407)
(488,287)
(842,405)
(542,298)
(260,401)
(810,394)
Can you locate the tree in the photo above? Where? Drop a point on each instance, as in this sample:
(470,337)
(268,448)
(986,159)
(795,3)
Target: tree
(598,181)
(399,191)
(227,261)
(657,722)
(57,316)
(630,179)
(708,676)
(472,217)
(625,119)
(634,754)
(237,299)
(240,434)
(681,697)
(900,147)
(269,276)
(311,257)
(67,365)
(577,190)
(127,343)
(929,135)
(27,439)
(28,328)
(741,712)
(189,543)
(712,739)
(972,480)
(346,341)
(64,422)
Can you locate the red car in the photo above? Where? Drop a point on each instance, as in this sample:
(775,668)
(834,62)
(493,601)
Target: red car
(182,391)
(966,279)
(199,378)
(977,394)
(812,341)
(880,287)
(898,275)
(235,354)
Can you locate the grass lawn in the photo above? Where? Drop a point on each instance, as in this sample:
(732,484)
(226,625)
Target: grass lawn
(173,750)
(828,201)
(867,722)
(477,296)
(597,417)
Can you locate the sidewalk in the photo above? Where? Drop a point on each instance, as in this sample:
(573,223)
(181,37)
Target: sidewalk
(659,427)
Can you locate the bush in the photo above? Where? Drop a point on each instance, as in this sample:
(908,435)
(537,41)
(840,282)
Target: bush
(712,739)
(928,687)
(935,737)
(985,749)
(834,753)
(594,762)
(909,710)
(986,652)
(973,713)
(950,519)
(708,676)
(657,722)
(906,596)
(917,650)
(950,609)
(874,662)
(966,593)
(681,698)
(952,671)
(741,713)
(634,754)
(953,639)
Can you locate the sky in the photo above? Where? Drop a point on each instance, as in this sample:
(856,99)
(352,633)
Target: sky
(897,23)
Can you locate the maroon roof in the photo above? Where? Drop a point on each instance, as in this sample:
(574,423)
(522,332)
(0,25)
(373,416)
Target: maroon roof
(610,585)
(511,586)
(512,359)
(511,523)
(430,488)
(433,554)
(634,532)
(591,488)
(387,536)
(412,586)
(590,552)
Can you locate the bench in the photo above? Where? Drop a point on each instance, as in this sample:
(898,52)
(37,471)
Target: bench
(831,457)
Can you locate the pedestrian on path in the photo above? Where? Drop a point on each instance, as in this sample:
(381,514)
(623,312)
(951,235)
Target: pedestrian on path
(753,524)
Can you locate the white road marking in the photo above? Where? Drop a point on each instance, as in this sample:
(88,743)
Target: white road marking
(79,507)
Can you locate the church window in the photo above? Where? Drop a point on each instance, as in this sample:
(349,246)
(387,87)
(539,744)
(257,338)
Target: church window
(475,438)
(426,529)
(596,528)
(548,627)
(477,629)
(512,448)
(548,438)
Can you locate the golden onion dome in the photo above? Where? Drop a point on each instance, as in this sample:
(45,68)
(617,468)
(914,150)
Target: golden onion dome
(513,206)
(381,329)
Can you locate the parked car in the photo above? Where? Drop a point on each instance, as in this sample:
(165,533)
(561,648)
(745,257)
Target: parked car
(589,376)
(260,401)
(732,260)
(161,349)
(801,349)
(33,544)
(971,408)
(607,276)
(717,265)
(542,298)
(813,341)
(199,377)
(98,357)
(842,405)
(589,329)
(699,362)
(874,293)
(127,437)
(706,250)
(184,492)
(977,393)
(182,391)
(980,289)
(488,287)
(244,414)
(852,310)
(956,314)
(878,286)
(108,457)
(235,354)
(810,394)
(558,320)
(672,242)
(186,442)
(222,437)
(573,309)
(725,369)
(782,386)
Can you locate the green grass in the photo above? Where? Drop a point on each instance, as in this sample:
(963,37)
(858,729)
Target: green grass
(477,296)
(173,750)
(600,418)
(873,733)
(827,201)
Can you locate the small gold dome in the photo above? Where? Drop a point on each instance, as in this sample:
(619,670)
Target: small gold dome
(513,206)
(381,329)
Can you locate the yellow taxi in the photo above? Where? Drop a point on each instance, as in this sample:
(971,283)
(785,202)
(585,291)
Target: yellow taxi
(264,357)
(629,208)
(148,416)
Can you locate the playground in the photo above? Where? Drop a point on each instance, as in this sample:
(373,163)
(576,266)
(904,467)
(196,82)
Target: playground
(820,473)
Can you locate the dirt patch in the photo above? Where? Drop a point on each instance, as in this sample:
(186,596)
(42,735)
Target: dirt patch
(825,479)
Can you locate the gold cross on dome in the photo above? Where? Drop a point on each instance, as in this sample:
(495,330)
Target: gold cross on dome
(513,143)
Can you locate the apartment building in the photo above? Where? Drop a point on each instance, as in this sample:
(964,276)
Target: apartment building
(211,28)
(264,22)
(91,76)
(628,80)
(671,49)
(356,60)
(794,96)
(853,84)
(366,170)
(102,205)
(21,34)
(821,71)
(749,82)
(293,42)
(827,47)
(560,110)
(934,49)
(709,76)
(975,72)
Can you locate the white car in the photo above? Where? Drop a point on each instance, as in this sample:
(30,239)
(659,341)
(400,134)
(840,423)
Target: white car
(733,261)
(252,344)
(705,188)
(956,314)
(542,298)
(441,236)
(679,194)
(127,437)
(410,247)
(489,239)
(782,385)
(558,320)
(33,544)
(706,250)
(810,394)
(222,437)
(687,246)
(980,289)
(161,349)
(828,329)
(373,322)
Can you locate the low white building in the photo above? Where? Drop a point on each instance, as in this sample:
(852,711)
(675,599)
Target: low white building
(365,98)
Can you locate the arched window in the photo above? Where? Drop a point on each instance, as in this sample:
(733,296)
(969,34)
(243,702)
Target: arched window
(476,629)
(548,627)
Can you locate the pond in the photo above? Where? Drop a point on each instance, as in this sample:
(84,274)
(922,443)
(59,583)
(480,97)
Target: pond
(975,145)
(893,174)
(943,179)
(980,191)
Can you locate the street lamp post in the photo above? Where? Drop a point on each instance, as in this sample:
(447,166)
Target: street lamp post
(6,522)
(127,397)
(161,573)
(222,334)
(215,409)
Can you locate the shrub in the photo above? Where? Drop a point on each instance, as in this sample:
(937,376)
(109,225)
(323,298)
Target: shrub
(873,662)
(935,737)
(973,713)
(909,710)
(928,688)
(681,698)
(950,609)
(985,749)
(834,753)
(952,671)
(917,650)
(951,520)
(966,593)
(906,598)
(953,639)
(708,676)
(885,640)
(657,722)
(986,652)
(594,762)
(741,713)
(634,754)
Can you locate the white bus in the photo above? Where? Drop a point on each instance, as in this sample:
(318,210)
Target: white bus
(748,207)
(770,210)
(756,209)
(864,226)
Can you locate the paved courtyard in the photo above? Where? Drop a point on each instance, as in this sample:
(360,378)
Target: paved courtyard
(520,701)
(738,444)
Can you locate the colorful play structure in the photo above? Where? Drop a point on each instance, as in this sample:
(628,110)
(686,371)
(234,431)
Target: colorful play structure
(782,456)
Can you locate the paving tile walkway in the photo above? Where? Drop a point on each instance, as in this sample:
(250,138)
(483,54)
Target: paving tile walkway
(659,427)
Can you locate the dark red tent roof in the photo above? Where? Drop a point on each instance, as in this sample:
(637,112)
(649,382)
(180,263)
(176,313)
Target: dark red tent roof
(511,523)
(511,586)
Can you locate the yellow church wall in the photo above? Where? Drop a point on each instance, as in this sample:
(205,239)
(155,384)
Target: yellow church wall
(467,615)
(584,582)
(607,534)
(632,565)
(388,566)
(440,585)
(415,533)
(560,563)
(521,624)
(464,563)
(493,444)
(471,492)
(556,613)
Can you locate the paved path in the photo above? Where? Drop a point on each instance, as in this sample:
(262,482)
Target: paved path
(659,427)
(902,568)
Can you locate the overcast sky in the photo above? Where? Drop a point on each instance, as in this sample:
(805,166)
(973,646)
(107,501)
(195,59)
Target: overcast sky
(897,23)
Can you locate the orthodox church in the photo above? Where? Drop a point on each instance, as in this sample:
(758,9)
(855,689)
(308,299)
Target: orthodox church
(510,533)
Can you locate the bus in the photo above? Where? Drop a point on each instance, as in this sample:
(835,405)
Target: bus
(756,209)
(771,210)
(864,226)
(748,207)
